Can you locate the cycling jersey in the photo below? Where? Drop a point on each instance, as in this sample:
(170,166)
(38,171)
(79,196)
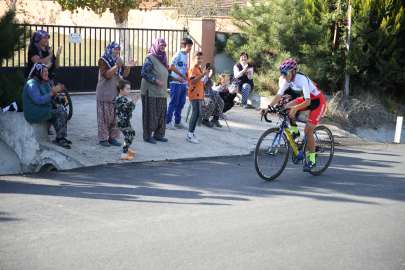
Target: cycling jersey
(302,85)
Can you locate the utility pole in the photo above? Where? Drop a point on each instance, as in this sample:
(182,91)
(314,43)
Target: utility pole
(349,24)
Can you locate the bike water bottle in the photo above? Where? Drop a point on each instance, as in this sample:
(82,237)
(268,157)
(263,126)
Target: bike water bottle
(303,115)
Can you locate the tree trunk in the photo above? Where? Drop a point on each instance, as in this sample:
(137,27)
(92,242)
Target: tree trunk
(121,21)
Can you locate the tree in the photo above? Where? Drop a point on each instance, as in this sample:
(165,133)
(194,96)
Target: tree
(119,8)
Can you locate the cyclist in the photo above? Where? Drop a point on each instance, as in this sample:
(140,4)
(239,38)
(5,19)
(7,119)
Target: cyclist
(312,99)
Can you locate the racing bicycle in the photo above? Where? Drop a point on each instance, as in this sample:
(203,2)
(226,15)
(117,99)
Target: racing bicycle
(272,149)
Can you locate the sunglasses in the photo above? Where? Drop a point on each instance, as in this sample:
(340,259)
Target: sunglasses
(285,73)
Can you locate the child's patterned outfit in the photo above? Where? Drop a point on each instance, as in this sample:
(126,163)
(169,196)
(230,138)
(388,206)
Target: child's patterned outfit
(123,111)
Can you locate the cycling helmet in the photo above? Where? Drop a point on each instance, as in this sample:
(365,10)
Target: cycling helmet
(288,65)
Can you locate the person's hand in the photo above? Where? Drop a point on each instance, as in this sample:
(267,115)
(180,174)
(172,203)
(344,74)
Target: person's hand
(177,79)
(59,51)
(118,62)
(184,77)
(160,83)
(56,89)
(135,98)
(293,111)
(263,111)
(234,89)
(205,72)
(51,50)
(131,63)
(249,71)
(210,74)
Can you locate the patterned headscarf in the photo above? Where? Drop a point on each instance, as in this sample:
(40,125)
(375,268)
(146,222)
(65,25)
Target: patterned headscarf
(38,35)
(36,72)
(155,51)
(109,57)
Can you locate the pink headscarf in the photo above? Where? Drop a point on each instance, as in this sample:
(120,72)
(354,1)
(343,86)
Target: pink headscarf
(155,51)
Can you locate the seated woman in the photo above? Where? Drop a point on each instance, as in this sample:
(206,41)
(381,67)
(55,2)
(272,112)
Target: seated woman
(243,78)
(212,104)
(37,103)
(222,87)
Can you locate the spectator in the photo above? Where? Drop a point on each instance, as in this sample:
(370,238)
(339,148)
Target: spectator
(243,77)
(111,70)
(154,92)
(37,100)
(222,87)
(212,104)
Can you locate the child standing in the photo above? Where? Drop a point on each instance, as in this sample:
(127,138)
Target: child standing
(195,93)
(178,90)
(123,111)
(222,87)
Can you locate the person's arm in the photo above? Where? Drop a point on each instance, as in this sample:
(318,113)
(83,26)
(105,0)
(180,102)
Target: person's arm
(35,58)
(112,70)
(195,80)
(250,74)
(237,73)
(175,70)
(35,94)
(146,69)
(57,59)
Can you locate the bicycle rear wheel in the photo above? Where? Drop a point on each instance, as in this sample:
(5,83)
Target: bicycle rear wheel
(66,104)
(271,154)
(324,148)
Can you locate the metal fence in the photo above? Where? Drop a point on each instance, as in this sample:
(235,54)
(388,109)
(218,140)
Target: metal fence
(134,43)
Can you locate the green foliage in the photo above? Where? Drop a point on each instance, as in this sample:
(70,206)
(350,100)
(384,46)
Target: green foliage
(11,87)
(272,31)
(11,36)
(377,57)
(389,107)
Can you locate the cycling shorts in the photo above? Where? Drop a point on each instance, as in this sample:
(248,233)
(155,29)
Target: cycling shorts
(317,108)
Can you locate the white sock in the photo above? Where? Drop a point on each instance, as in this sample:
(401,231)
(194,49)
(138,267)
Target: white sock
(190,135)
(124,155)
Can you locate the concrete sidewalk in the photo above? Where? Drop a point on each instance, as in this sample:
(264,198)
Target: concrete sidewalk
(245,126)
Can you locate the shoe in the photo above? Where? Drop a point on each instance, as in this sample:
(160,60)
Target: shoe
(245,106)
(66,140)
(160,139)
(150,140)
(222,117)
(170,126)
(180,126)
(114,142)
(127,158)
(50,132)
(216,123)
(105,143)
(130,152)
(296,135)
(310,165)
(62,143)
(197,138)
(207,123)
(191,139)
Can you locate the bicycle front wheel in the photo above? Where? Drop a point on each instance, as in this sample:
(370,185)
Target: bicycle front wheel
(271,154)
(324,148)
(66,104)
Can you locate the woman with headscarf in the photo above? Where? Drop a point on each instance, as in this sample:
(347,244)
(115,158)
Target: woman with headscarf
(111,70)
(154,92)
(37,101)
(40,52)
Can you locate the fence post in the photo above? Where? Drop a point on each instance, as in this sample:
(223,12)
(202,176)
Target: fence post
(398,129)
(202,31)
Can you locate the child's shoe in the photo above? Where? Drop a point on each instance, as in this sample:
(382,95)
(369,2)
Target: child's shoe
(128,157)
(131,152)
(197,138)
(191,139)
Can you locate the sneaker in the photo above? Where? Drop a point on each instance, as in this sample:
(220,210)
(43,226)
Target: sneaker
(130,152)
(170,126)
(216,123)
(191,139)
(197,138)
(151,140)
(296,135)
(245,106)
(114,142)
(128,157)
(180,126)
(207,123)
(160,139)
(66,140)
(62,143)
(105,143)
(310,165)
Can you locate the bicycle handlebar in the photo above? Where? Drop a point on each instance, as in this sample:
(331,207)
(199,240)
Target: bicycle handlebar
(277,110)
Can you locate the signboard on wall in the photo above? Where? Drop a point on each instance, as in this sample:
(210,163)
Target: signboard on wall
(75,38)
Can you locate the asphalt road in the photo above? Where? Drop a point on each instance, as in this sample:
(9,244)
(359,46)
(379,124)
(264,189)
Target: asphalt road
(209,214)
